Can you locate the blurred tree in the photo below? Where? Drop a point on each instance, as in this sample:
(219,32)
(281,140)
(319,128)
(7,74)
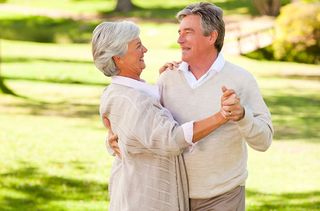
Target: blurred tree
(297,36)
(124,5)
(268,7)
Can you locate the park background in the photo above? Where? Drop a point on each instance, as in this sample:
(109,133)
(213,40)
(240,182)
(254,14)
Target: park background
(52,142)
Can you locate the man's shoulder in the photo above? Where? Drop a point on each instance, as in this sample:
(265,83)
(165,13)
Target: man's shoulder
(169,75)
(234,69)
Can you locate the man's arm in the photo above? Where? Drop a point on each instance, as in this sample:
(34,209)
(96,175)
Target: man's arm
(252,116)
(112,139)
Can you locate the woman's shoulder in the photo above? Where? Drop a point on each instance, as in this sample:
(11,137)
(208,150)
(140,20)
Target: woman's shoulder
(126,94)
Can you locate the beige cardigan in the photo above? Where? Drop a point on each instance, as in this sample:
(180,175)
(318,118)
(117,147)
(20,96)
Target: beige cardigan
(151,174)
(219,162)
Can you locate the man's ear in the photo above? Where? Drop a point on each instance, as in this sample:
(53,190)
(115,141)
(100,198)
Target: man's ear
(213,37)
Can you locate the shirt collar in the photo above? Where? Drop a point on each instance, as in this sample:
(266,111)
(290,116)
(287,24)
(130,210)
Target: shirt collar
(149,89)
(216,66)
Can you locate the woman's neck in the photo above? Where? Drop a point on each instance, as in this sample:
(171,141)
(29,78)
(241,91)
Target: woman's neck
(128,75)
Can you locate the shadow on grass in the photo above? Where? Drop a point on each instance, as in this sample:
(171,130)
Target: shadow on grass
(31,189)
(45,29)
(57,80)
(28,59)
(4,89)
(287,201)
(297,117)
(63,109)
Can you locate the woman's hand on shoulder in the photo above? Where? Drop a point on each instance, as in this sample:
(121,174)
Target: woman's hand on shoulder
(169,66)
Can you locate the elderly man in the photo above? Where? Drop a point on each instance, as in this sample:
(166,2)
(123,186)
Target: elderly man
(217,167)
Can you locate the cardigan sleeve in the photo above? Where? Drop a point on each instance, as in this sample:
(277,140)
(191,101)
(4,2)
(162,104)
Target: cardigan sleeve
(144,126)
(256,126)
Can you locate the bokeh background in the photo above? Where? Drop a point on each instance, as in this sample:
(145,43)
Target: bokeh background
(52,142)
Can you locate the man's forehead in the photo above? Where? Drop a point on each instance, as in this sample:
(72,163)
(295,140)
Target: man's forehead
(190,22)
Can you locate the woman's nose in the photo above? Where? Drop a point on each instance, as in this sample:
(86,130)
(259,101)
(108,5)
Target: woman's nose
(145,49)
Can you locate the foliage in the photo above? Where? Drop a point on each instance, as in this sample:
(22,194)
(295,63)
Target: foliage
(46,29)
(298,33)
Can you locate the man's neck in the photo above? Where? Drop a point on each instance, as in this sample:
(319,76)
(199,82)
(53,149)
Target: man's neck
(202,65)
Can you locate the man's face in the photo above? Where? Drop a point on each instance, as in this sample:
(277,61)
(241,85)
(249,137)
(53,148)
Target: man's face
(194,45)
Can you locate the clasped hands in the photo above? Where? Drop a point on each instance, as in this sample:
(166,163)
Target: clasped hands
(231,108)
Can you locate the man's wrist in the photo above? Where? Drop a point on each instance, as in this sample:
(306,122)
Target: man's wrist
(243,113)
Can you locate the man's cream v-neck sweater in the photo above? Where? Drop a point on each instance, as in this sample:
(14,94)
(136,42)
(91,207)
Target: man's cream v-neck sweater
(219,162)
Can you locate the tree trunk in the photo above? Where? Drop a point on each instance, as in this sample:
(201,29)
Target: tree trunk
(268,7)
(124,5)
(3,88)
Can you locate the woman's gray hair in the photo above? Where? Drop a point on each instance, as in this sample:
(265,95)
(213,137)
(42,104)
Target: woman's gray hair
(211,19)
(111,39)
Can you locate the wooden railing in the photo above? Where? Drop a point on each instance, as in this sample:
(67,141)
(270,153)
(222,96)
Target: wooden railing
(240,41)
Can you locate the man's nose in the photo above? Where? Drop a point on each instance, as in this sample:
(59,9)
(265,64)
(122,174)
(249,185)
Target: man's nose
(180,39)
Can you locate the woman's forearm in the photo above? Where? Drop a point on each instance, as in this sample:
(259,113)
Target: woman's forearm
(205,126)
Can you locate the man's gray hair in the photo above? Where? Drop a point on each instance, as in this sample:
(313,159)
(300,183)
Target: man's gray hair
(211,19)
(111,39)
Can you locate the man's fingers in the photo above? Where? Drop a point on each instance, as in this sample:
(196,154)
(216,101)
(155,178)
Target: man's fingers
(114,144)
(234,112)
(229,99)
(228,92)
(113,139)
(223,88)
(118,153)
(232,100)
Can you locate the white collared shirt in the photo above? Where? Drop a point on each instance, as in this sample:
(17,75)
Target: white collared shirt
(214,69)
(153,91)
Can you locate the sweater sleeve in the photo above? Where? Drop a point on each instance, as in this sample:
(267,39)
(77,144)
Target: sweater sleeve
(144,126)
(256,126)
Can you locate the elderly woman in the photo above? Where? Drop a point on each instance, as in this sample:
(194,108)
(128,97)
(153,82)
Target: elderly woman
(150,175)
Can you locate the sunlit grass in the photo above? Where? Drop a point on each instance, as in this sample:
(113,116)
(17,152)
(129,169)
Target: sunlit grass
(52,153)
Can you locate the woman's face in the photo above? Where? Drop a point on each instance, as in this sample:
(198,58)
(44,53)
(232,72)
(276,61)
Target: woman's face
(132,62)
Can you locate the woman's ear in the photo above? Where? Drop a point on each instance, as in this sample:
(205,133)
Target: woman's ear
(117,59)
